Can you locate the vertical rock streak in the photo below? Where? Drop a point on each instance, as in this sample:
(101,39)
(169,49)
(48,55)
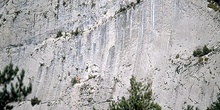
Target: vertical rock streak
(152,5)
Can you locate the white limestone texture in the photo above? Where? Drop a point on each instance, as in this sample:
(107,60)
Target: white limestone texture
(112,44)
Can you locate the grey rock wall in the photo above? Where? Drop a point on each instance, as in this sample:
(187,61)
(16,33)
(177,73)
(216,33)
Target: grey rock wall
(142,41)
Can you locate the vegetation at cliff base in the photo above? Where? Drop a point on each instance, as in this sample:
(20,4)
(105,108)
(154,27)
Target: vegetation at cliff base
(215,105)
(12,87)
(140,98)
(190,107)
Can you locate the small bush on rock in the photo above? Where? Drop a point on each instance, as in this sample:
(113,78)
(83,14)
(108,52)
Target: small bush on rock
(59,34)
(35,101)
(177,56)
(214,4)
(201,52)
(91,76)
(200,60)
(75,80)
(206,59)
(197,52)
(205,50)
(76,32)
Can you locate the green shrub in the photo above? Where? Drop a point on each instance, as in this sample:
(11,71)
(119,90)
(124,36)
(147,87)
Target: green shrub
(12,90)
(214,4)
(215,105)
(205,50)
(64,4)
(197,53)
(190,107)
(206,59)
(75,33)
(200,60)
(59,34)
(129,6)
(35,101)
(75,80)
(91,76)
(201,52)
(177,56)
(93,5)
(139,99)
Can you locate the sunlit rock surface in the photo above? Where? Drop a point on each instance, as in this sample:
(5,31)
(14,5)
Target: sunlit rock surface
(104,45)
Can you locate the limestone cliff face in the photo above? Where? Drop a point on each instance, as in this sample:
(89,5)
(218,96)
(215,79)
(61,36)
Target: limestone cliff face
(116,39)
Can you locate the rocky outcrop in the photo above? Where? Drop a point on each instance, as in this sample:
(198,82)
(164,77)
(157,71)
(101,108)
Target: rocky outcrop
(104,42)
